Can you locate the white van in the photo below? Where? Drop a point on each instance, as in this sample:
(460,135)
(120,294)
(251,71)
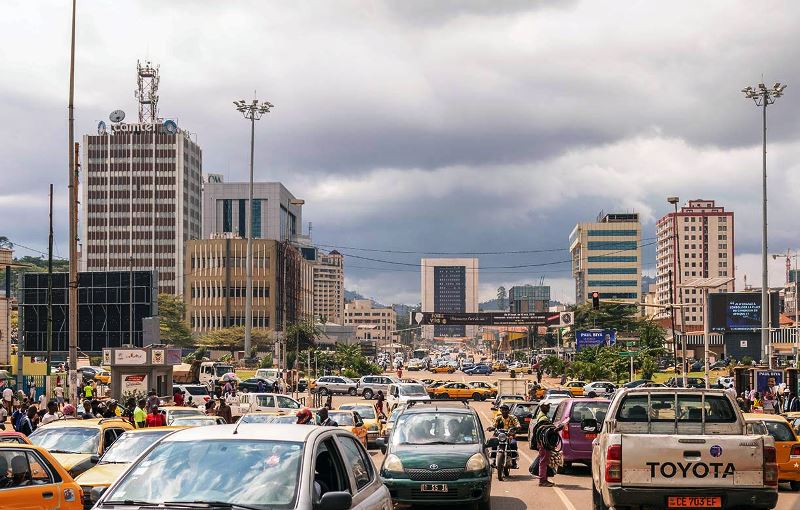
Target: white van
(403,392)
(268,373)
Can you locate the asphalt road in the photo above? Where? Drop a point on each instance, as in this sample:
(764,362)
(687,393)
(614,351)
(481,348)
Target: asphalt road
(521,491)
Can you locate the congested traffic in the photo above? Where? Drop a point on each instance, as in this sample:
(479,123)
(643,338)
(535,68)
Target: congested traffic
(404,437)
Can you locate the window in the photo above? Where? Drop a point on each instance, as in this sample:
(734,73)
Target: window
(329,473)
(684,408)
(263,400)
(287,403)
(31,469)
(612,270)
(612,245)
(612,258)
(615,233)
(613,283)
(355,457)
(779,431)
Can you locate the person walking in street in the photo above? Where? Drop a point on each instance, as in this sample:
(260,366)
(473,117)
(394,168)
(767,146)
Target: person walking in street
(152,400)
(177,397)
(542,420)
(32,391)
(59,393)
(27,424)
(52,413)
(87,390)
(69,411)
(224,411)
(379,400)
(539,375)
(155,418)
(8,396)
(112,410)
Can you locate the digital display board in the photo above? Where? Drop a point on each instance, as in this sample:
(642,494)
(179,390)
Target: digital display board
(739,311)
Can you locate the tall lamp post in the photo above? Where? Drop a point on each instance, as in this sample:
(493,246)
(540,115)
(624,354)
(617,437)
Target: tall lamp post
(252,111)
(764,97)
(677,240)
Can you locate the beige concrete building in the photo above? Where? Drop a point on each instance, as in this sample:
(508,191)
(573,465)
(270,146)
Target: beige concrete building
(449,285)
(372,323)
(704,245)
(216,283)
(607,258)
(329,287)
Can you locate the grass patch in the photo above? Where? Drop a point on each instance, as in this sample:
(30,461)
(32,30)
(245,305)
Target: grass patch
(245,373)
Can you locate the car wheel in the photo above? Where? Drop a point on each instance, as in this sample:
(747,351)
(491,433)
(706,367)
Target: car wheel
(323,391)
(445,396)
(476,396)
(591,394)
(367,394)
(352,392)
(501,469)
(597,500)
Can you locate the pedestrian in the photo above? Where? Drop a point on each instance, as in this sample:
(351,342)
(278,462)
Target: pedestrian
(86,413)
(329,401)
(32,391)
(541,420)
(224,411)
(532,391)
(791,405)
(227,389)
(52,413)
(304,417)
(261,386)
(539,375)
(156,418)
(210,408)
(88,391)
(325,420)
(152,400)
(177,397)
(69,411)
(42,401)
(399,371)
(111,410)
(379,399)
(59,392)
(3,417)
(27,423)
(127,411)
(8,396)
(139,414)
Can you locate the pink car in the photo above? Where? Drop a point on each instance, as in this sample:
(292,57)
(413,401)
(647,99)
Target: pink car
(577,445)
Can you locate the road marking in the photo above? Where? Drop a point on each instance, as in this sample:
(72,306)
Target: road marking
(563,497)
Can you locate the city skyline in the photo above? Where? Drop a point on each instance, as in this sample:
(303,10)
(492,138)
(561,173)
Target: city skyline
(652,117)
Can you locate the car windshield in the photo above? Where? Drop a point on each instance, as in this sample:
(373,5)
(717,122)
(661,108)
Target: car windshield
(585,410)
(221,370)
(521,409)
(11,439)
(257,418)
(343,418)
(129,446)
(67,439)
(259,474)
(366,412)
(779,431)
(435,428)
(196,390)
(287,419)
(413,390)
(189,411)
(559,392)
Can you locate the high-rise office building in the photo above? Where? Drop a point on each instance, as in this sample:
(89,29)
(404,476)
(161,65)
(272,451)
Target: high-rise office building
(329,287)
(277,214)
(529,298)
(449,285)
(704,246)
(140,199)
(607,258)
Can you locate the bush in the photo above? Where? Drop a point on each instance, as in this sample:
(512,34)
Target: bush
(648,367)
(266,361)
(747,361)
(350,373)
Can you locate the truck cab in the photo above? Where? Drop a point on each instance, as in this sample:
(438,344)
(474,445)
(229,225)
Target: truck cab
(679,448)
(211,373)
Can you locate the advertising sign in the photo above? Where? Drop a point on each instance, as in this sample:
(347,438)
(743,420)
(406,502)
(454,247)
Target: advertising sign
(484,319)
(767,382)
(134,382)
(605,337)
(174,357)
(130,357)
(739,311)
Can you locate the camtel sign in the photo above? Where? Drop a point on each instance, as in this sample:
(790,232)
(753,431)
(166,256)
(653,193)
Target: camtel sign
(168,127)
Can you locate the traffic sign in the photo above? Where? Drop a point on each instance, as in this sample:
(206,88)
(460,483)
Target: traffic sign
(630,344)
(627,354)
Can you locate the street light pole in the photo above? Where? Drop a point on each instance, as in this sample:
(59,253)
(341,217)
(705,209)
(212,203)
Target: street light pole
(763,97)
(252,111)
(677,240)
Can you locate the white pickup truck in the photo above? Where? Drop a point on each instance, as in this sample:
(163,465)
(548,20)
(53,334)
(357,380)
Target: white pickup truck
(244,403)
(679,448)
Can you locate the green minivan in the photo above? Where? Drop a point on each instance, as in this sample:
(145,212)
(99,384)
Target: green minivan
(436,453)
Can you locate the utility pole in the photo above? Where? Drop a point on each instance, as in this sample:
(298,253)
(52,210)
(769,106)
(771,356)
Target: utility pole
(763,97)
(50,287)
(677,245)
(73,226)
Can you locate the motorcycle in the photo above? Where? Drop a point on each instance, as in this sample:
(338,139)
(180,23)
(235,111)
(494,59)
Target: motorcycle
(504,458)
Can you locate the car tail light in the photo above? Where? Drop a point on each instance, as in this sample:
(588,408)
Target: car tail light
(565,432)
(770,467)
(614,464)
(795,452)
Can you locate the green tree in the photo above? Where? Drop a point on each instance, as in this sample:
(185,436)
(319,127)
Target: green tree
(553,365)
(647,365)
(232,338)
(172,321)
(5,243)
(301,336)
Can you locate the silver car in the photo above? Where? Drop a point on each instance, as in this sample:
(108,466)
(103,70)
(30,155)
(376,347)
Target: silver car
(369,385)
(331,384)
(275,466)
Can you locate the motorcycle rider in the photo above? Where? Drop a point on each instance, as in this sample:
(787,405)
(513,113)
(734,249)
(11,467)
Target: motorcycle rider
(508,422)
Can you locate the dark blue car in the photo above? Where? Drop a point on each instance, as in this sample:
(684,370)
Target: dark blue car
(479,370)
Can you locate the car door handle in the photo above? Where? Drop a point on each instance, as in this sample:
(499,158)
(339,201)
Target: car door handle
(47,495)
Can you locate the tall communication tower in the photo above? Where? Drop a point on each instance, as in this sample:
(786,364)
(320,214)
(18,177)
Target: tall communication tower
(147,92)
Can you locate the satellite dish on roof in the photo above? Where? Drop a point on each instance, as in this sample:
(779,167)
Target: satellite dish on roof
(116,116)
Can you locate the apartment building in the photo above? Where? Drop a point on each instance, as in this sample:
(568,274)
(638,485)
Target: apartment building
(328,275)
(377,323)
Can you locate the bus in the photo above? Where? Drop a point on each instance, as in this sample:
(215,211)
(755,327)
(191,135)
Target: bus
(420,354)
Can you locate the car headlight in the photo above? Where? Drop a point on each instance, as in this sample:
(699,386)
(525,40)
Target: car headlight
(476,463)
(392,465)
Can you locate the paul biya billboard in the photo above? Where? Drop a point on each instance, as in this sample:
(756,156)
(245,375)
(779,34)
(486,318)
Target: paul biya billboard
(739,311)
(484,319)
(604,338)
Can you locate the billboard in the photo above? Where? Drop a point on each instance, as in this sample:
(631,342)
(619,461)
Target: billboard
(767,382)
(484,319)
(595,338)
(739,311)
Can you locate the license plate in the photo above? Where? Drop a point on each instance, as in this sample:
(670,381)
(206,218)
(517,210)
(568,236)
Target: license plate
(433,487)
(694,502)
(590,436)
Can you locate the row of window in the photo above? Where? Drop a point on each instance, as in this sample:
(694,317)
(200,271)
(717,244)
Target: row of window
(218,321)
(613,283)
(221,262)
(612,245)
(614,233)
(615,295)
(613,270)
(612,258)
(200,291)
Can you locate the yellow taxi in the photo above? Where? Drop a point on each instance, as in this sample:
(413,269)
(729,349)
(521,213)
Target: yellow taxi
(792,417)
(508,400)
(35,480)
(351,421)
(370,418)
(443,369)
(491,388)
(499,366)
(116,459)
(787,445)
(103,376)
(575,387)
(78,444)
(460,390)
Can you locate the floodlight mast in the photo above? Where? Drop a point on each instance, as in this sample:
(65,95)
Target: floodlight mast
(252,111)
(763,97)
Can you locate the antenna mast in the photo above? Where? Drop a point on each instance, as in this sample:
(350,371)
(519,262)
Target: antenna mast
(147,92)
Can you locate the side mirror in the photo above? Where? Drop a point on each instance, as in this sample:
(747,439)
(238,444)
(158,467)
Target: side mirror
(589,425)
(97,493)
(359,423)
(492,443)
(335,501)
(380,442)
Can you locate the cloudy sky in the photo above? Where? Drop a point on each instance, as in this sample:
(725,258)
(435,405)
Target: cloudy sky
(417,126)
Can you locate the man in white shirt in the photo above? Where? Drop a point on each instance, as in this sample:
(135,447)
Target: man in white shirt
(52,413)
(59,391)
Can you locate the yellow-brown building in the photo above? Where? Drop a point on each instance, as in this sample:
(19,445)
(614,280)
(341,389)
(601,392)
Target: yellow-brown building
(216,283)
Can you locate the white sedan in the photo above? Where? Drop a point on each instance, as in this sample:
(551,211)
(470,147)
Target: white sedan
(599,389)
